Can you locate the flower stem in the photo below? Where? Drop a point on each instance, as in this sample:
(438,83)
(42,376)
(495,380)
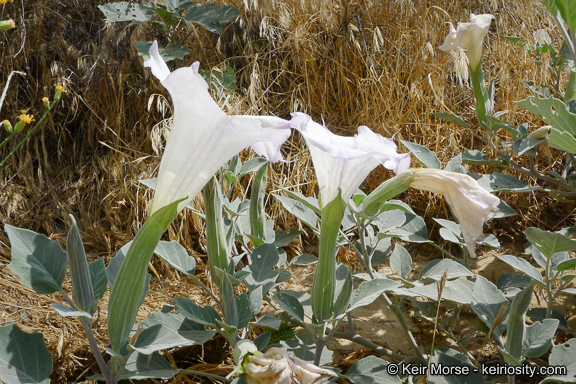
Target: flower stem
(29,134)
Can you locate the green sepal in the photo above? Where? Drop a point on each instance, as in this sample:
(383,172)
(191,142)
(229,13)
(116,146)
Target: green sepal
(516,329)
(385,191)
(324,284)
(216,242)
(257,198)
(130,283)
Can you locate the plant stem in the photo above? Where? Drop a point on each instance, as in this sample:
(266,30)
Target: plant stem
(397,312)
(87,325)
(29,133)
(356,338)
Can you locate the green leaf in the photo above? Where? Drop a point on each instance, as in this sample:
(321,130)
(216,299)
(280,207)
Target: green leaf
(244,308)
(474,157)
(496,182)
(264,259)
(285,237)
(202,315)
(371,370)
(255,299)
(140,367)
(436,268)
(539,337)
(549,242)
(446,357)
(211,16)
(344,287)
(178,5)
(300,210)
(526,146)
(567,265)
(220,80)
(458,291)
(563,141)
(169,53)
(66,311)
(131,282)
(425,156)
(24,357)
(523,266)
(291,305)
(99,278)
(304,259)
(488,301)
(228,302)
(539,314)
(520,41)
(553,111)
(82,289)
(268,322)
(368,291)
(563,355)
(169,330)
(401,261)
(303,346)
(263,340)
(127,11)
(452,118)
(177,256)
(39,262)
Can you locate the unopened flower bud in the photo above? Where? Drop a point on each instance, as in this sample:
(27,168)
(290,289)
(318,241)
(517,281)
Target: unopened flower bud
(46,102)
(7,24)
(7,126)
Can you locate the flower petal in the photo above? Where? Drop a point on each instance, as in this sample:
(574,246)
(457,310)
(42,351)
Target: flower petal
(344,162)
(203,137)
(471,204)
(156,63)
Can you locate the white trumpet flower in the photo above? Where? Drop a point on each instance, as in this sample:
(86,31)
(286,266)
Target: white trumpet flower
(344,162)
(203,137)
(278,367)
(471,204)
(469,36)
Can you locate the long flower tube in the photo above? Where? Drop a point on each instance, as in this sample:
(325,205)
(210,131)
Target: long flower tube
(341,165)
(469,37)
(203,137)
(471,204)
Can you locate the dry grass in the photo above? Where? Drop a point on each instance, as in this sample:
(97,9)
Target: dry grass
(351,63)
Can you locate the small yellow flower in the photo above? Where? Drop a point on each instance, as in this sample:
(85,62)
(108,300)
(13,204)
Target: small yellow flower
(26,119)
(5,1)
(46,101)
(59,87)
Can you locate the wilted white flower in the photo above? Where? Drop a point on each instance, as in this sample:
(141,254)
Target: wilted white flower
(471,204)
(278,367)
(469,36)
(344,162)
(203,137)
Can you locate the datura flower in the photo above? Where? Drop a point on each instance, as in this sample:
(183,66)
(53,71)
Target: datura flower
(344,162)
(203,137)
(471,204)
(469,36)
(278,367)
